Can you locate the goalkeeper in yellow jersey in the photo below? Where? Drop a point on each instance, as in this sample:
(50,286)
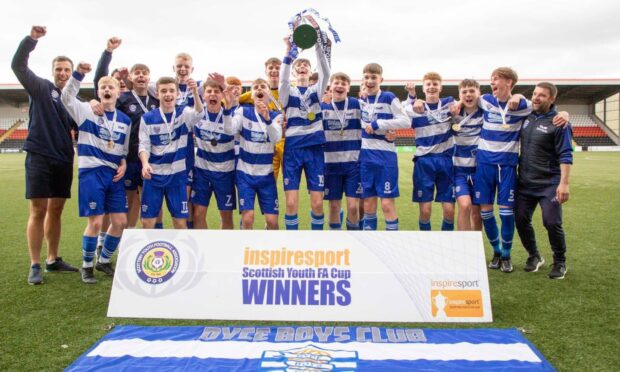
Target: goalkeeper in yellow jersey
(272,71)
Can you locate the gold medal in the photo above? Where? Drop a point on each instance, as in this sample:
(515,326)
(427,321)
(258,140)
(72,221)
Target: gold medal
(110,144)
(311,116)
(456,127)
(505,126)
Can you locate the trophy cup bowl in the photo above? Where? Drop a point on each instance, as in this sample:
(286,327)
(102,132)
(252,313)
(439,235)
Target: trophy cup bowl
(304,36)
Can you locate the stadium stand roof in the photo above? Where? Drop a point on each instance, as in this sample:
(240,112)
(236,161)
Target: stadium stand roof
(582,91)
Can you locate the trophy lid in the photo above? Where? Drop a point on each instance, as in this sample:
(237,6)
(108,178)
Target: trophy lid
(304,36)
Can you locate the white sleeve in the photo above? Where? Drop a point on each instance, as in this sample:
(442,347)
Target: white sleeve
(76,109)
(323,71)
(232,124)
(152,89)
(191,117)
(285,83)
(274,130)
(399,121)
(127,135)
(145,139)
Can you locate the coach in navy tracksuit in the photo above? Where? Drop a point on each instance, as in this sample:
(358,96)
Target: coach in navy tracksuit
(544,167)
(49,162)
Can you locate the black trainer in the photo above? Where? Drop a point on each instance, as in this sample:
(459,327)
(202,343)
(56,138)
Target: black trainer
(558,270)
(533,263)
(59,266)
(35,276)
(105,268)
(506,265)
(88,275)
(495,262)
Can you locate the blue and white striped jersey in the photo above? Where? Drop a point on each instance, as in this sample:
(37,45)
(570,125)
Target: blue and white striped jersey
(499,143)
(466,142)
(257,139)
(433,133)
(297,102)
(216,148)
(343,132)
(166,142)
(383,112)
(102,141)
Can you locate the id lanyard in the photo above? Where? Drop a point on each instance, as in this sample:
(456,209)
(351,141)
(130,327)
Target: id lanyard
(310,115)
(342,118)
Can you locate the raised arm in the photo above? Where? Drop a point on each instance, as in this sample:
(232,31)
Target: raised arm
(24,74)
(285,75)
(104,61)
(274,129)
(77,110)
(232,122)
(323,71)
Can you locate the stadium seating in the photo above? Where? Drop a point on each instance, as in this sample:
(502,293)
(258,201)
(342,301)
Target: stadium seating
(586,132)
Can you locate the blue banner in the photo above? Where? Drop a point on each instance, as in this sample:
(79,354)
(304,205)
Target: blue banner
(329,348)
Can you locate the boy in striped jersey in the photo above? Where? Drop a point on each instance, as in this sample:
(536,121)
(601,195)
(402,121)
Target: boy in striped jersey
(305,139)
(466,127)
(259,129)
(163,151)
(214,171)
(342,125)
(497,157)
(103,143)
(434,149)
(381,111)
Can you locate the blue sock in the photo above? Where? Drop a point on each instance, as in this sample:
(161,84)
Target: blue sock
(335,226)
(110,244)
(291,222)
(352,226)
(317,221)
(89,246)
(424,225)
(370,221)
(490,228)
(159,225)
(447,225)
(506,215)
(391,225)
(190,224)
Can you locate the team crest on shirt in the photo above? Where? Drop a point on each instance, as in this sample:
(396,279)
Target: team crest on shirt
(132,108)
(157,129)
(55,95)
(335,124)
(92,205)
(100,120)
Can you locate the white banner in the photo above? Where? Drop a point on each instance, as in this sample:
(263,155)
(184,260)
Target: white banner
(403,276)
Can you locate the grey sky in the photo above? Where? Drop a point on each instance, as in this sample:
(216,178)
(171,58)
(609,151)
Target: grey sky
(540,39)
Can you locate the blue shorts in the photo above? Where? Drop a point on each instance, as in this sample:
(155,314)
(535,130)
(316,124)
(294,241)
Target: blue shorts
(98,194)
(153,196)
(133,176)
(490,178)
(379,180)
(248,187)
(222,184)
(350,184)
(430,174)
(464,185)
(312,160)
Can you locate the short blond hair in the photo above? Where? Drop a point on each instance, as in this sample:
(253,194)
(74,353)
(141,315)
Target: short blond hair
(184,56)
(432,76)
(109,80)
(506,73)
(273,61)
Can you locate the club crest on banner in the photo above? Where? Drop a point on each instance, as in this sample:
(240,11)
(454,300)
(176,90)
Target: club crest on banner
(309,358)
(157,262)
